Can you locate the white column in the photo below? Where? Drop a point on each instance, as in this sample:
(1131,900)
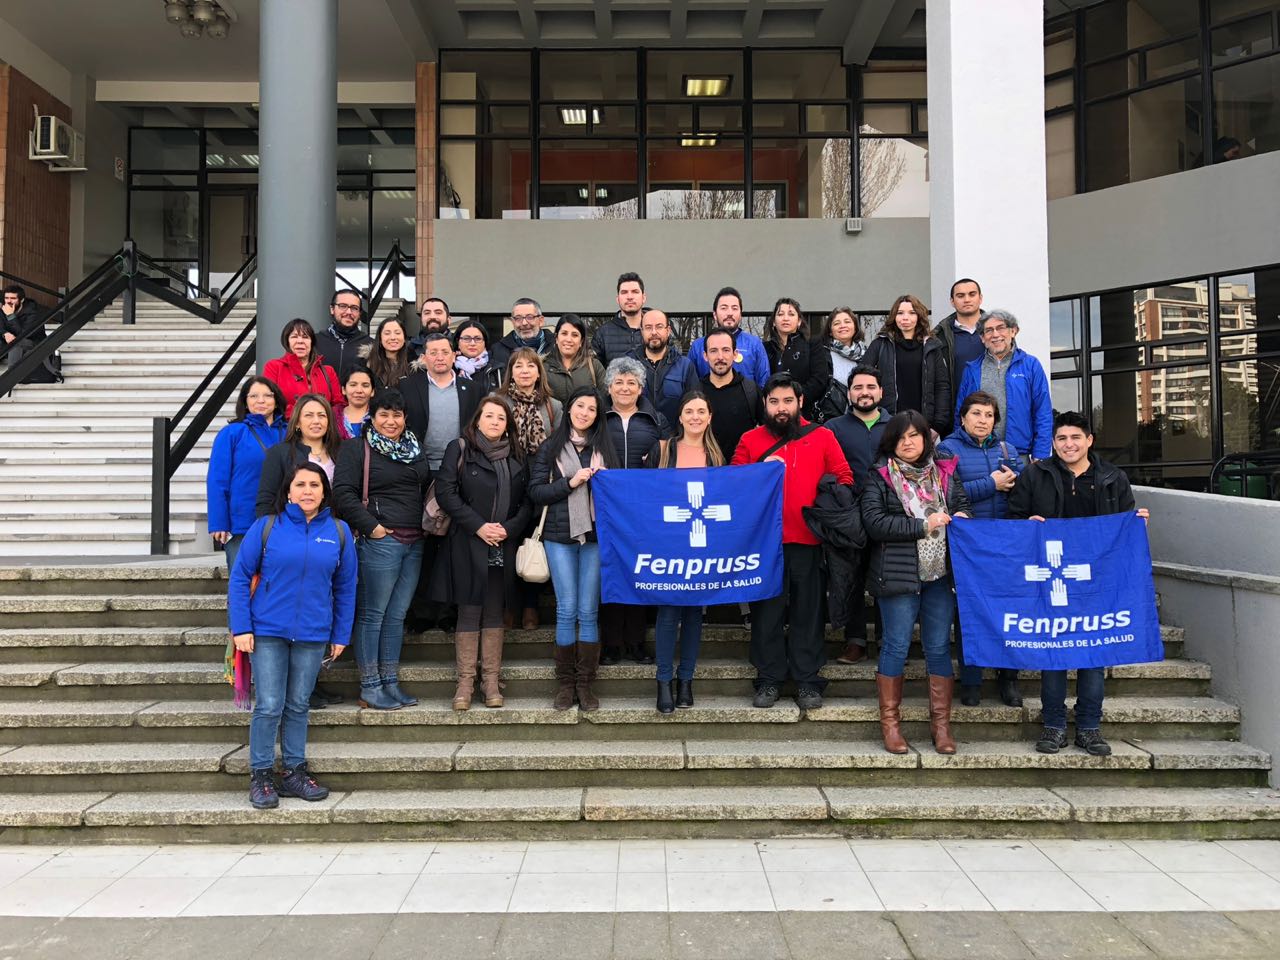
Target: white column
(988,212)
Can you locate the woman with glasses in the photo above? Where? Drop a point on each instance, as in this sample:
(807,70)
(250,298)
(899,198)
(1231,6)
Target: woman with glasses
(471,344)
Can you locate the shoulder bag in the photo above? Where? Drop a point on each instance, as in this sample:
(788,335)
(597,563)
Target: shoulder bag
(435,521)
(531,556)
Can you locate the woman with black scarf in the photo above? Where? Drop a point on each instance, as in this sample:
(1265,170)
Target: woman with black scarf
(482,487)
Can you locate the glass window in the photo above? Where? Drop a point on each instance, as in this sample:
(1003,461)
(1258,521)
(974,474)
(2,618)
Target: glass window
(166,223)
(1121,25)
(800,178)
(390,149)
(229,148)
(1065,393)
(798,75)
(561,120)
(1245,101)
(1244,39)
(1249,420)
(162,149)
(1153,415)
(1150,314)
(395,215)
(1220,10)
(670,118)
(887,118)
(587,75)
(694,74)
(487,179)
(826,118)
(484,75)
(588,180)
(701,179)
(1064,324)
(1148,134)
(775,119)
(1172,59)
(353,225)
(164,180)
(895,80)
(893,176)
(1249,301)
(1060,155)
(1059,93)
(1059,46)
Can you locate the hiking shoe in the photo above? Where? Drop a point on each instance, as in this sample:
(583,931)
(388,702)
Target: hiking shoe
(808,698)
(262,790)
(1091,742)
(1051,740)
(298,782)
(766,696)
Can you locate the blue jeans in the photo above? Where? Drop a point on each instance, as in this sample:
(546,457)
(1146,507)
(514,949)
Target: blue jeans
(1053,697)
(677,623)
(935,605)
(284,674)
(232,550)
(388,578)
(575,573)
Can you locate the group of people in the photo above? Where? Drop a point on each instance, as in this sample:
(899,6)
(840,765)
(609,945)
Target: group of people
(368,479)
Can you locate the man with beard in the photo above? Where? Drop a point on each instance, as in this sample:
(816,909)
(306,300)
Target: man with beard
(526,320)
(787,630)
(669,375)
(344,345)
(749,357)
(435,318)
(734,399)
(858,433)
(620,335)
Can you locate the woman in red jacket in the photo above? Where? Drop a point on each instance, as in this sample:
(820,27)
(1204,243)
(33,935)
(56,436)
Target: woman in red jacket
(302,370)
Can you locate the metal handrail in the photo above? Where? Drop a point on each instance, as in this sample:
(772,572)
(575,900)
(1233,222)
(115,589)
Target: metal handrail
(1252,463)
(31,284)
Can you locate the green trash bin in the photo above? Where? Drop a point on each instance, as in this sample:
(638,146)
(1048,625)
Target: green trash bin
(1255,483)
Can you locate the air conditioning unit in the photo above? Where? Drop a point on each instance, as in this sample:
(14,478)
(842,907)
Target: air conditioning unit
(58,144)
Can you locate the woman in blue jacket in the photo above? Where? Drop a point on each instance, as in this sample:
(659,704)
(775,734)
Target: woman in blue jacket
(305,599)
(988,468)
(235,464)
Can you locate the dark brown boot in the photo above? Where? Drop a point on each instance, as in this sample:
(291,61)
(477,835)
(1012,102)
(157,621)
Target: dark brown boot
(491,666)
(588,662)
(941,690)
(566,676)
(853,652)
(889,690)
(466,649)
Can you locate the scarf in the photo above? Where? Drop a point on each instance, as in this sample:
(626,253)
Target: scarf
(536,344)
(467,366)
(853,352)
(405,450)
(582,507)
(920,490)
(531,431)
(344,333)
(498,453)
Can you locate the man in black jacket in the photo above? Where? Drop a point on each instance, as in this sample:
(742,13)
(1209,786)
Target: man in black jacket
(344,344)
(669,375)
(434,317)
(1072,483)
(526,318)
(858,432)
(958,331)
(22,332)
(734,399)
(620,335)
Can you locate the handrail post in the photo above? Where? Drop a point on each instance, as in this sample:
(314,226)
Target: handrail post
(160,432)
(130,316)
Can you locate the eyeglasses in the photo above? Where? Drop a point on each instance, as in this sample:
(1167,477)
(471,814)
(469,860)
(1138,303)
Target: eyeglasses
(527,316)
(991,328)
(471,339)
(347,307)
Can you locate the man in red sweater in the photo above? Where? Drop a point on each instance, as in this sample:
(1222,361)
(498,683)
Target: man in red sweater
(807,453)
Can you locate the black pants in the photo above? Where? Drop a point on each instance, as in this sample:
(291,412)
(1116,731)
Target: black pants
(853,607)
(473,619)
(423,610)
(787,630)
(622,627)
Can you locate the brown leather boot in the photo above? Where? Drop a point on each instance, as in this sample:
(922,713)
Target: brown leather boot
(889,690)
(941,690)
(529,621)
(491,665)
(466,650)
(566,676)
(588,662)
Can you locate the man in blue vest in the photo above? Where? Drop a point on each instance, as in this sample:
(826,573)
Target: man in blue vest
(749,357)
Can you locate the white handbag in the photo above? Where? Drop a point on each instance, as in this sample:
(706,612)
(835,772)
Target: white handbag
(531,556)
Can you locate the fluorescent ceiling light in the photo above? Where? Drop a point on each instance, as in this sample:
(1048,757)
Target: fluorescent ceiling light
(715,86)
(577,116)
(698,140)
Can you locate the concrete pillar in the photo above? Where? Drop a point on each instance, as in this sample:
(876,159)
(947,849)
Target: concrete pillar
(298,143)
(988,212)
(426,80)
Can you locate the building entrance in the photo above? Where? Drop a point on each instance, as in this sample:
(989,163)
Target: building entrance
(233,231)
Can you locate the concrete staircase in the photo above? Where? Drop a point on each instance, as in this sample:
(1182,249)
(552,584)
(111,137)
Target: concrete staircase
(75,457)
(115,725)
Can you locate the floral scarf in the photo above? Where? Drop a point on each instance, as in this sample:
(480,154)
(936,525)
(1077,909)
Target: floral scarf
(405,450)
(920,490)
(531,429)
(467,366)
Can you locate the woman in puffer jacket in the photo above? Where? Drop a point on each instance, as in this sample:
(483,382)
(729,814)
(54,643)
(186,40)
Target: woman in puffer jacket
(910,497)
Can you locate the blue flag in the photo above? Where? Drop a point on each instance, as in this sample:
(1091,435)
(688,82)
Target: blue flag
(690,537)
(1057,595)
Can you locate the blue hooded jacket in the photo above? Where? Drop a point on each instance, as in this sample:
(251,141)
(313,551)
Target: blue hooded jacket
(975,464)
(754,363)
(308,586)
(1028,406)
(235,464)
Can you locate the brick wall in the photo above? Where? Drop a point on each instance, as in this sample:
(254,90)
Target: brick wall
(35,205)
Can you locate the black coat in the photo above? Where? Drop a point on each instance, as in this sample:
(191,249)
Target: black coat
(613,339)
(500,353)
(895,565)
(344,355)
(1039,491)
(808,363)
(935,388)
(469,495)
(395,489)
(278,460)
(646,428)
(487,379)
(417,400)
(549,487)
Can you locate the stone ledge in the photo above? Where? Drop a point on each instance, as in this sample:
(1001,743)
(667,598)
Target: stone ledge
(1021,755)
(75,713)
(571,755)
(26,674)
(946,803)
(447,806)
(1234,579)
(1154,710)
(85,759)
(441,713)
(202,809)
(706,710)
(1170,804)
(46,809)
(705,803)
(212,568)
(334,757)
(138,672)
(867,709)
(224,713)
(1204,755)
(794,755)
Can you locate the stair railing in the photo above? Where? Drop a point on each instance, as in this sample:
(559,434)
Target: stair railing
(1240,467)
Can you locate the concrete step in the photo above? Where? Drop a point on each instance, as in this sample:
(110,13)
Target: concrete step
(25,546)
(1050,810)
(190,506)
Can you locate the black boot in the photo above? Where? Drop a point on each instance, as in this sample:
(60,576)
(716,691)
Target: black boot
(666,701)
(298,782)
(262,790)
(1010,695)
(327,694)
(971,694)
(684,693)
